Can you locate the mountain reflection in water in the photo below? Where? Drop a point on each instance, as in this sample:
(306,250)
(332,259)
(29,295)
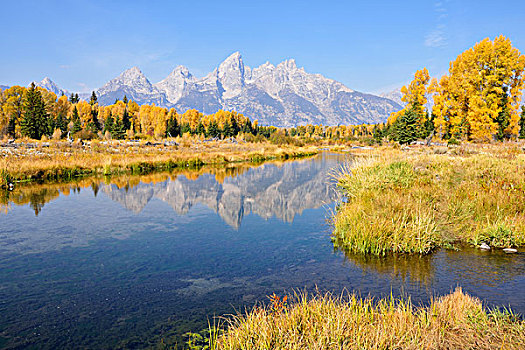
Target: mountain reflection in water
(275,189)
(269,190)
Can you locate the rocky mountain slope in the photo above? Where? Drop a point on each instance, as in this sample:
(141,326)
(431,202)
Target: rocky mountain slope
(50,85)
(282,95)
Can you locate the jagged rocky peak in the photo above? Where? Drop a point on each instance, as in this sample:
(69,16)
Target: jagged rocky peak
(133,84)
(282,95)
(173,85)
(50,85)
(230,75)
(132,76)
(289,64)
(265,67)
(181,71)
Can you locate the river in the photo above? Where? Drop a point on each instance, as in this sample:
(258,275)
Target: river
(130,262)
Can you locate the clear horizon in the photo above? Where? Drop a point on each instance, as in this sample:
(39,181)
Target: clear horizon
(369,47)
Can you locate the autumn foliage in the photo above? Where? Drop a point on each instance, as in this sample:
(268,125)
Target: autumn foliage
(35,112)
(480,97)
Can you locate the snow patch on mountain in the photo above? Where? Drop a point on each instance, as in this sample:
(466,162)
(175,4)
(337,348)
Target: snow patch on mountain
(50,85)
(280,95)
(133,84)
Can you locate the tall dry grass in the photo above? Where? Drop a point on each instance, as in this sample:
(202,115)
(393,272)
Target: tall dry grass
(63,161)
(455,321)
(416,202)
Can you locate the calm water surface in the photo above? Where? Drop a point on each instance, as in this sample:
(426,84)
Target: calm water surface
(131,262)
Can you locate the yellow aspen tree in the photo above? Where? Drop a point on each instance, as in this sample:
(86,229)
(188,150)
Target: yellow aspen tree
(415,96)
(480,98)
(84,112)
(13,105)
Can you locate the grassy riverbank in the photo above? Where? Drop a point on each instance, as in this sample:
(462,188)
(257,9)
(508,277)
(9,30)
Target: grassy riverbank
(455,321)
(62,161)
(416,201)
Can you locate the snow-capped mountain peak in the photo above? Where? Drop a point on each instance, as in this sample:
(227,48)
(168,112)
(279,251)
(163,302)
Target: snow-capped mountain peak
(133,84)
(230,75)
(50,85)
(280,95)
(175,83)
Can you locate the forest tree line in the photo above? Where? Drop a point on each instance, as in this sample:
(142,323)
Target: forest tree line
(35,112)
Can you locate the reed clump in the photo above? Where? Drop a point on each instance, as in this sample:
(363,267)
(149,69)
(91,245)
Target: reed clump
(455,321)
(416,202)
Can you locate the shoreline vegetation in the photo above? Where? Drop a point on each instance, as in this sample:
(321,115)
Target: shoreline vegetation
(62,161)
(454,321)
(416,200)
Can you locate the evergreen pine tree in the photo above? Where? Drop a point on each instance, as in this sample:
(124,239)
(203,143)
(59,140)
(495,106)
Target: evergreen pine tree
(34,123)
(51,125)
(95,124)
(503,118)
(172,127)
(61,123)
(406,127)
(522,123)
(125,99)
(200,129)
(247,127)
(213,130)
(77,126)
(73,98)
(118,131)
(93,98)
(185,128)
(234,126)
(377,133)
(108,124)
(429,125)
(226,130)
(11,126)
(126,123)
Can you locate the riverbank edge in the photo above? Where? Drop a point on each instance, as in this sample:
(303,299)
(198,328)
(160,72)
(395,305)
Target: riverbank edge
(138,164)
(396,202)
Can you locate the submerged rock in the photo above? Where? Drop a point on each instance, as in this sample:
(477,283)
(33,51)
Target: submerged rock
(484,246)
(510,250)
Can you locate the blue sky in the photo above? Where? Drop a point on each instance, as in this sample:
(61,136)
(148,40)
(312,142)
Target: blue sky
(368,45)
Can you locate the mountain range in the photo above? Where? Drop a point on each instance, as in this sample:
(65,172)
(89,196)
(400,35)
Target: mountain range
(281,95)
